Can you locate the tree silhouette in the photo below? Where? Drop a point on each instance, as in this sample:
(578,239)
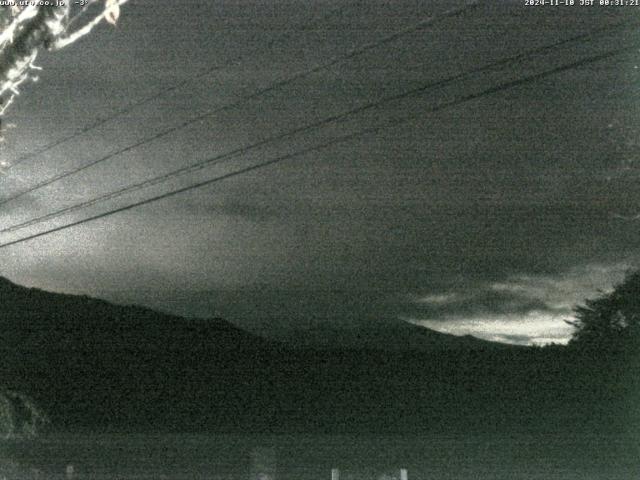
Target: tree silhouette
(19,416)
(43,24)
(26,28)
(612,320)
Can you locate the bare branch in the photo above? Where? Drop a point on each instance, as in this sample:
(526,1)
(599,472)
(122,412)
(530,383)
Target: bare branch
(73,37)
(7,104)
(21,47)
(81,13)
(25,30)
(8,34)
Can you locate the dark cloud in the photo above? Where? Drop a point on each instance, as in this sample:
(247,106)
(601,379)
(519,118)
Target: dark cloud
(248,211)
(529,339)
(473,304)
(531,307)
(505,205)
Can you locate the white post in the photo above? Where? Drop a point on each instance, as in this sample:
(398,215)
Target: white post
(335,474)
(263,463)
(404,475)
(69,472)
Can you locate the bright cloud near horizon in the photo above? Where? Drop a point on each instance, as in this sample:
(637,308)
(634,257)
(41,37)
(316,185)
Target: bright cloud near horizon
(486,213)
(533,328)
(541,305)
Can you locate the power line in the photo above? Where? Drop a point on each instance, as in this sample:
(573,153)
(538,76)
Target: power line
(242,150)
(225,156)
(160,93)
(274,86)
(327,144)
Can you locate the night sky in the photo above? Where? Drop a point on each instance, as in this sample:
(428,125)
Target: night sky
(467,212)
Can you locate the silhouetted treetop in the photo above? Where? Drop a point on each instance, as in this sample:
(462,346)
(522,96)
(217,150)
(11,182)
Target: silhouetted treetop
(611,320)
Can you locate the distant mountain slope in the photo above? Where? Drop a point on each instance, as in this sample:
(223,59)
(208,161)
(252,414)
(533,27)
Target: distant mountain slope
(393,336)
(34,320)
(98,366)
(92,363)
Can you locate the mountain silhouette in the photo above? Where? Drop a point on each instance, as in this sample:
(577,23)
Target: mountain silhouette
(34,320)
(94,365)
(37,321)
(391,335)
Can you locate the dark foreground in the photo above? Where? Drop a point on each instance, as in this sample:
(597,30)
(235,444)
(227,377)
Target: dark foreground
(300,457)
(146,395)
